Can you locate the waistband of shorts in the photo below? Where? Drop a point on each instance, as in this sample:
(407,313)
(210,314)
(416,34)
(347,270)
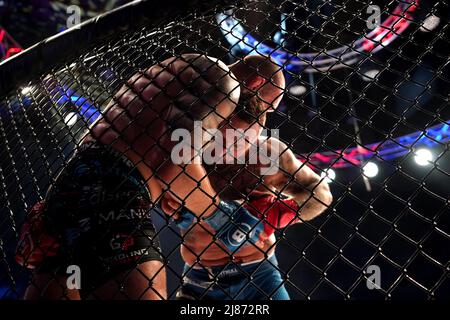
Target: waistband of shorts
(231,268)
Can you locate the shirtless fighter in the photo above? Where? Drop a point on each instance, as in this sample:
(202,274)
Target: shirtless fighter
(234,258)
(96,215)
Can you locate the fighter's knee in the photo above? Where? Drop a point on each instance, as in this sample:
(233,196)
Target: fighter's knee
(150,278)
(49,287)
(147,281)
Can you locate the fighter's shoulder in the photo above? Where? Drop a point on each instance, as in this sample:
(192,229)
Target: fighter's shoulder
(272,143)
(283,151)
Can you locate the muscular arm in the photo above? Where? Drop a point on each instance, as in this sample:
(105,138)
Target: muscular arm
(187,186)
(172,94)
(297,181)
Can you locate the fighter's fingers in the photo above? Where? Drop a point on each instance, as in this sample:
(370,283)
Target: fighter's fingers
(143,106)
(170,206)
(263,236)
(174,204)
(261,243)
(166,207)
(179,77)
(176,216)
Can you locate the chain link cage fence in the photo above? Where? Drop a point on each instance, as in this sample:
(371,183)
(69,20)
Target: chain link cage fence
(364,109)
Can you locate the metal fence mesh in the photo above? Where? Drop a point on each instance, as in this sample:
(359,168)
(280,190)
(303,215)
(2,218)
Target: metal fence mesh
(368,104)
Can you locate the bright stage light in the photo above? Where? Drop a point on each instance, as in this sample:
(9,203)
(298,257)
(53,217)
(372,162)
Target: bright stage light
(71,118)
(423,157)
(430,23)
(370,169)
(328,175)
(26,90)
(297,90)
(370,75)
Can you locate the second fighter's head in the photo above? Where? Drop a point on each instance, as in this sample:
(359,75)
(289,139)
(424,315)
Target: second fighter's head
(262,87)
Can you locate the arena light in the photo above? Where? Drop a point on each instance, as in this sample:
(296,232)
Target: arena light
(297,90)
(71,118)
(379,38)
(370,74)
(430,23)
(26,90)
(328,175)
(388,150)
(370,169)
(8,45)
(423,157)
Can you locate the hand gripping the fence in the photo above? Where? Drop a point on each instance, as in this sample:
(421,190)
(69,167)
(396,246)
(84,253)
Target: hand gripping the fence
(276,213)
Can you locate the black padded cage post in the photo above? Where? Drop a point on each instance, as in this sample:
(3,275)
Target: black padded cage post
(366,107)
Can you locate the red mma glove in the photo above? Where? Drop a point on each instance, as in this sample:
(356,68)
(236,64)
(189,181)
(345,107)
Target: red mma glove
(276,213)
(34,243)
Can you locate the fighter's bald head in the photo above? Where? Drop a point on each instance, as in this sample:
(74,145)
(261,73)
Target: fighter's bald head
(262,81)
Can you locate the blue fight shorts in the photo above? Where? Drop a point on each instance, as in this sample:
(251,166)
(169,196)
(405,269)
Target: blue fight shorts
(259,280)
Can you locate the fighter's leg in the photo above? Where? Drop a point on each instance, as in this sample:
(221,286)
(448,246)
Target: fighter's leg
(145,282)
(263,281)
(49,287)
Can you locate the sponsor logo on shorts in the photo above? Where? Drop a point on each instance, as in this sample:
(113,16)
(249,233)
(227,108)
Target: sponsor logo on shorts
(127,257)
(121,215)
(198,283)
(121,241)
(229,272)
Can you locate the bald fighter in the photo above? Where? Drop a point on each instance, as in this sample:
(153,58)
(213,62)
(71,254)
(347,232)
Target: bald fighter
(95,217)
(230,255)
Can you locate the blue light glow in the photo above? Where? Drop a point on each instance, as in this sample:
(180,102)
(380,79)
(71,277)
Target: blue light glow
(386,150)
(375,40)
(86,109)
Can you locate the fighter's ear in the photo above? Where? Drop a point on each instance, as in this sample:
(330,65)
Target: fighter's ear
(254,71)
(255,82)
